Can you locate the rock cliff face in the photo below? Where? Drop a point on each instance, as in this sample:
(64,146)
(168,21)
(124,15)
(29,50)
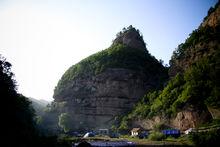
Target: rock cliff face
(213,19)
(130,38)
(94,101)
(189,117)
(96,98)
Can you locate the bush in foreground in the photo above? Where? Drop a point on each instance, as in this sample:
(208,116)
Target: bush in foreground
(156,136)
(211,138)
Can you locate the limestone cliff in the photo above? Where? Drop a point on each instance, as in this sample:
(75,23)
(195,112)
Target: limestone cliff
(107,84)
(189,117)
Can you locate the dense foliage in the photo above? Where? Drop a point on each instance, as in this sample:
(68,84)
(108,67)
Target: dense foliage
(65,122)
(206,139)
(117,56)
(18,125)
(197,85)
(18,115)
(156,136)
(48,121)
(202,35)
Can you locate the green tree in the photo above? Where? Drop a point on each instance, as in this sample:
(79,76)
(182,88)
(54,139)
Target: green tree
(17,112)
(124,125)
(65,122)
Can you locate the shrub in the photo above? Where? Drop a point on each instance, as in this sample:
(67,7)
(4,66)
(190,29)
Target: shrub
(156,136)
(159,127)
(211,138)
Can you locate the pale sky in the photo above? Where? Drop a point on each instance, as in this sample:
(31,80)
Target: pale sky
(43,38)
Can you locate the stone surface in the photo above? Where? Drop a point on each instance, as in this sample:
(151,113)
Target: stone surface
(95,101)
(214,112)
(149,124)
(131,38)
(213,19)
(189,117)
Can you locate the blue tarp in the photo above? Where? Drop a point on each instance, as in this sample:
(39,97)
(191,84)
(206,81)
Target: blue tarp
(171,132)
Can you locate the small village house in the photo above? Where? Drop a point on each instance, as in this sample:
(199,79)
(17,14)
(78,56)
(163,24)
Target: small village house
(190,130)
(135,131)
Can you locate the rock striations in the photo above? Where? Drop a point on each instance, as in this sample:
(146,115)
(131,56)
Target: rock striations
(106,85)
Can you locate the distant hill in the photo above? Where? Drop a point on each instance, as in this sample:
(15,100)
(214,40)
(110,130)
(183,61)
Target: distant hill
(39,105)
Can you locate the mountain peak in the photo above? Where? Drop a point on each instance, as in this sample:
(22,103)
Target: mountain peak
(130,37)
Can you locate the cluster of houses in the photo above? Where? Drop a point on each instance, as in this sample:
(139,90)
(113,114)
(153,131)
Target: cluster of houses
(137,132)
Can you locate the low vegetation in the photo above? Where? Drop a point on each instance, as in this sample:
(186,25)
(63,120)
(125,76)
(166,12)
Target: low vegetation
(156,136)
(205,139)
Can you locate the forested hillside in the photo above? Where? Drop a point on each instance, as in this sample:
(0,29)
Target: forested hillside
(193,89)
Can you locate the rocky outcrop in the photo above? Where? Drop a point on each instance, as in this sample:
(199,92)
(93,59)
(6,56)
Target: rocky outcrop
(213,19)
(149,124)
(190,117)
(130,37)
(95,99)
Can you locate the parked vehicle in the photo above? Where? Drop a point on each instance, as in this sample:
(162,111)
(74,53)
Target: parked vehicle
(143,134)
(74,134)
(190,130)
(89,134)
(114,135)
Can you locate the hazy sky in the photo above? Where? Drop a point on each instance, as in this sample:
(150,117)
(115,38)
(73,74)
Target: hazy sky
(43,38)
